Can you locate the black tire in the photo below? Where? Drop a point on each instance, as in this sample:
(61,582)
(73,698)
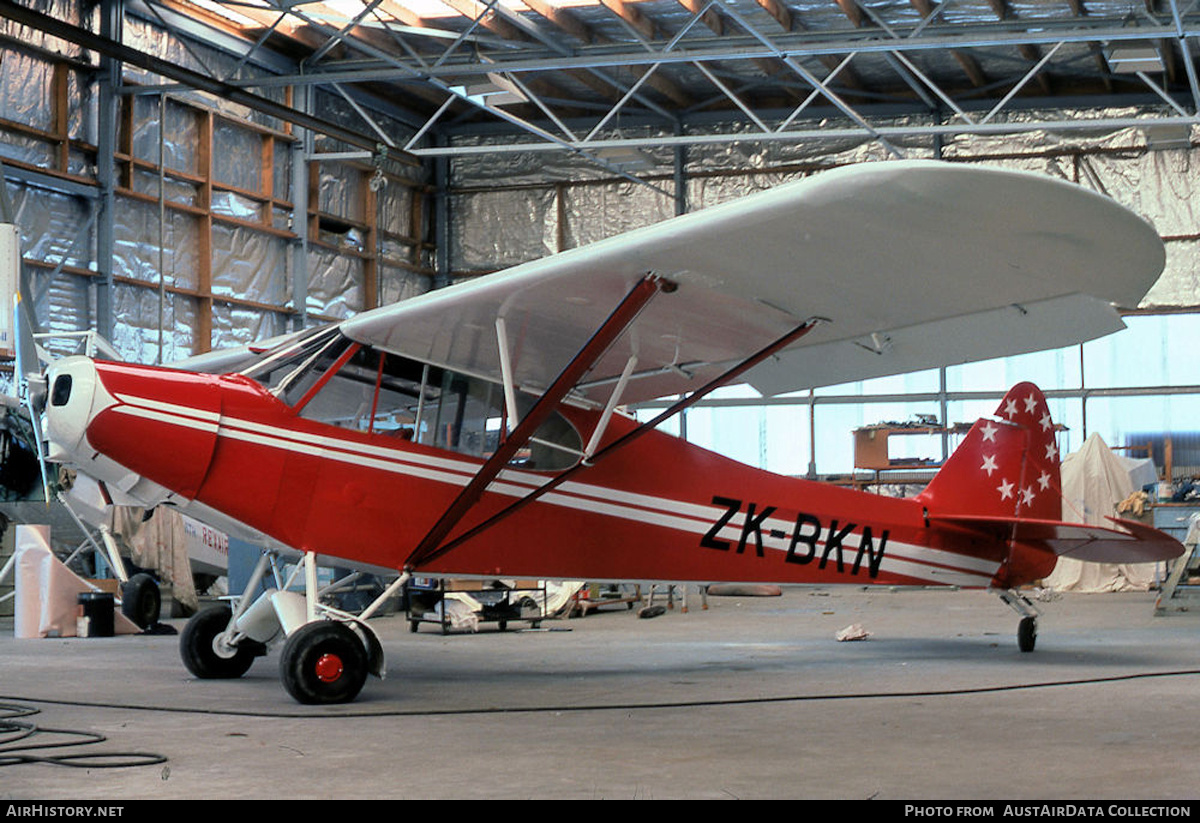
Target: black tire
(323,662)
(141,600)
(1027,634)
(200,653)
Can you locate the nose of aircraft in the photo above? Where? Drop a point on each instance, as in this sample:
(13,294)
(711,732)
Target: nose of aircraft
(73,387)
(127,425)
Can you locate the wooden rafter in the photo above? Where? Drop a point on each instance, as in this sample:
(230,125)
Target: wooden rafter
(1079,10)
(716,24)
(969,64)
(498,25)
(568,22)
(633,17)
(1030,52)
(852,11)
(782,15)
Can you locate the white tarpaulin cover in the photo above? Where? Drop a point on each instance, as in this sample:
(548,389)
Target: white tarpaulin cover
(163,542)
(1094,481)
(47,591)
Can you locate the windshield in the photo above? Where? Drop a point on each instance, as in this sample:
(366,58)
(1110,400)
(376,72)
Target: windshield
(277,366)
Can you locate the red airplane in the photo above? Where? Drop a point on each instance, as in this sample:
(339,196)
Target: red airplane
(474,431)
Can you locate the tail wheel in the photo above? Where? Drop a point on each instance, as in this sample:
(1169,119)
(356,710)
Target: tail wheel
(323,662)
(1027,634)
(203,652)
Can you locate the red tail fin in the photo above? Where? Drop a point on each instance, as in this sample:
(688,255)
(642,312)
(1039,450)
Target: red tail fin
(1006,467)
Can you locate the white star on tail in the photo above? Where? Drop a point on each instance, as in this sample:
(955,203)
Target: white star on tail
(1006,489)
(1051,451)
(989,464)
(1044,481)
(989,432)
(1030,404)
(1046,422)
(1027,496)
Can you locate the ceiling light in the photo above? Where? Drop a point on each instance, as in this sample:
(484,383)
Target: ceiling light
(496,91)
(1133,57)
(627,159)
(1163,136)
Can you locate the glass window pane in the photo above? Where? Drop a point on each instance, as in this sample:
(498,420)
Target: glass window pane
(788,440)
(836,422)
(918,382)
(670,425)
(1057,369)
(1134,421)
(1151,351)
(1066,412)
(738,432)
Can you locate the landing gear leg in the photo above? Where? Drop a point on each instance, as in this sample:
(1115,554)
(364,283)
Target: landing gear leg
(328,653)
(1027,628)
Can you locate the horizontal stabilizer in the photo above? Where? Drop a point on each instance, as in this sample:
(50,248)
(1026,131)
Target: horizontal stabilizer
(1130,543)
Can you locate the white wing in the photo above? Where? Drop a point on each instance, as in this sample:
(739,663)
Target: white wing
(915,264)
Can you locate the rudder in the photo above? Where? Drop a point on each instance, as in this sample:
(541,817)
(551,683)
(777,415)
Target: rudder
(1007,466)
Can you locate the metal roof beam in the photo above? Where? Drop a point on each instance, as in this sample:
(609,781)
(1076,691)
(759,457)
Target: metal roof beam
(836,134)
(786,45)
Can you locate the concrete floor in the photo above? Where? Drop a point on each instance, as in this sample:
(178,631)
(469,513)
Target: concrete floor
(751,698)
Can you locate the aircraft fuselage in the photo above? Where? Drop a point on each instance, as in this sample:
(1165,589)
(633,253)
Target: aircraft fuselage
(661,509)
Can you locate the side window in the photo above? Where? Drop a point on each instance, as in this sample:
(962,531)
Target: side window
(554,446)
(392,396)
(462,413)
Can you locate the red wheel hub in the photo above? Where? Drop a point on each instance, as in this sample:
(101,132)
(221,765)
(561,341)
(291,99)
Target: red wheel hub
(329,668)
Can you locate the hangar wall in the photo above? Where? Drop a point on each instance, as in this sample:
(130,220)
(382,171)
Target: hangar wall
(227,226)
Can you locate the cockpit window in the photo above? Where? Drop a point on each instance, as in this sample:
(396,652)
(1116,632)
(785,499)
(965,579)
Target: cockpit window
(371,391)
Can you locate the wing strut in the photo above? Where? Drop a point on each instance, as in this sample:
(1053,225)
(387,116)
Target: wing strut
(612,328)
(732,374)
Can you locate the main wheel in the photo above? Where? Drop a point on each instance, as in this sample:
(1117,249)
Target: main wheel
(208,658)
(1027,634)
(141,600)
(323,662)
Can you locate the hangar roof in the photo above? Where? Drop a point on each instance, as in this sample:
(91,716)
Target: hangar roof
(607,78)
(578,72)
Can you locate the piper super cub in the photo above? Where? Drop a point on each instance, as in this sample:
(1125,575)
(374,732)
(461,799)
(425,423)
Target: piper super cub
(474,431)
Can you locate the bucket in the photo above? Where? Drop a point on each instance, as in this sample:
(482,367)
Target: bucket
(96,619)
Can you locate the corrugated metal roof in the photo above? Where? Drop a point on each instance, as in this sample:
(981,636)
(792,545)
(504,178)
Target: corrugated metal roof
(577,74)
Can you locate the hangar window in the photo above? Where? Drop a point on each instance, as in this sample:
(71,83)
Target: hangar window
(329,378)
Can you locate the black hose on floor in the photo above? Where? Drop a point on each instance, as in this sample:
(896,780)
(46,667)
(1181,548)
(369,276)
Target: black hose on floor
(19,740)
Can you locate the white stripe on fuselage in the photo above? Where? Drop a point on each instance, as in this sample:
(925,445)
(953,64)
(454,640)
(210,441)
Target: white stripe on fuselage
(919,562)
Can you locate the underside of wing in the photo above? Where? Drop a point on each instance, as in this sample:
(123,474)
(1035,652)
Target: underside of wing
(912,265)
(1129,542)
